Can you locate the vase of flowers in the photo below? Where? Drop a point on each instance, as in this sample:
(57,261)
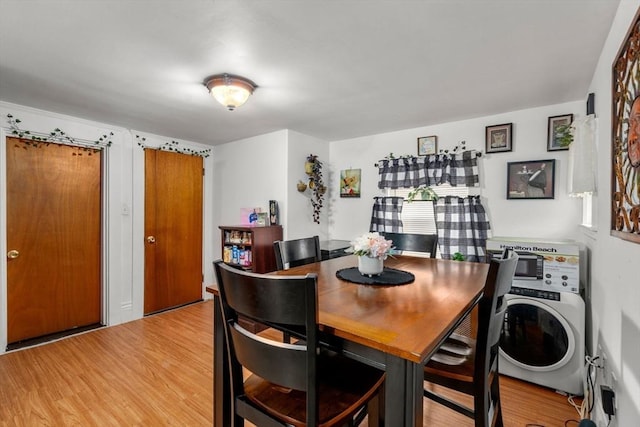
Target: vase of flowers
(372,249)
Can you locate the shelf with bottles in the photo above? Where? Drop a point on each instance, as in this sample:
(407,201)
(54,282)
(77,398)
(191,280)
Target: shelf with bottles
(253,246)
(236,255)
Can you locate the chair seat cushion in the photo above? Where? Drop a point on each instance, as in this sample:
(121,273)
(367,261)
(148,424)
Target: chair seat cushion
(344,386)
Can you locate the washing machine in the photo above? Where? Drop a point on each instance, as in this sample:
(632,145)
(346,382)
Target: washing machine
(542,339)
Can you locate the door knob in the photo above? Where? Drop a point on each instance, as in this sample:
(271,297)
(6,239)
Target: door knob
(13,254)
(151,239)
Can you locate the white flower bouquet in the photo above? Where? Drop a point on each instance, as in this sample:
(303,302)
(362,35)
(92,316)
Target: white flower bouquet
(372,245)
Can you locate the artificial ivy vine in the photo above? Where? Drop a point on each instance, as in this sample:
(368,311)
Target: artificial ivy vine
(462,146)
(175,147)
(37,139)
(313,168)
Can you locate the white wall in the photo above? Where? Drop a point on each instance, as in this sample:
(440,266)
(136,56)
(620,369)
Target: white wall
(246,174)
(252,171)
(615,284)
(544,219)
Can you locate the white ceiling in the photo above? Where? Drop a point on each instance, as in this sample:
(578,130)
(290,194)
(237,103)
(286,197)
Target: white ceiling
(329,69)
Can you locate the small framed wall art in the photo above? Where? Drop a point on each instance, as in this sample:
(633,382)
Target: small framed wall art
(534,179)
(427,145)
(350,183)
(559,132)
(498,138)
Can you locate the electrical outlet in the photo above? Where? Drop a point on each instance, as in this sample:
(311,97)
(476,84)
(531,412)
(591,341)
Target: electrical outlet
(603,357)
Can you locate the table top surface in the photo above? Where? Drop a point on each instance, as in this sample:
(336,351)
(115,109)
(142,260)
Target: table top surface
(408,321)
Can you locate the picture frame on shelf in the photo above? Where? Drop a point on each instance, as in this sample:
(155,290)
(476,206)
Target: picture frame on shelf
(557,132)
(532,179)
(263,219)
(499,138)
(427,145)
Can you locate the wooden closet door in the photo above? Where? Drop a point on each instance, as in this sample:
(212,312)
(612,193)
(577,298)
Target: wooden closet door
(53,238)
(173,229)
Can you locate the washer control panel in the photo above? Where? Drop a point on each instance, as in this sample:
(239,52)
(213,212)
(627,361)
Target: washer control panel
(535,293)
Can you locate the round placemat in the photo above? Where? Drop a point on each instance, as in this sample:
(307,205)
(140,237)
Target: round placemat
(388,277)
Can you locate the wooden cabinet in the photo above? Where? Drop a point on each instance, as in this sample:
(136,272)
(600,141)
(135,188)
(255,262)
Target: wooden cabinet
(250,247)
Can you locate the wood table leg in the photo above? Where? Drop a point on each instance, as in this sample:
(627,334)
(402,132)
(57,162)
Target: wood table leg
(403,393)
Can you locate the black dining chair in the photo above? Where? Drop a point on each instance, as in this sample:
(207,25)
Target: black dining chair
(476,372)
(289,384)
(292,253)
(414,242)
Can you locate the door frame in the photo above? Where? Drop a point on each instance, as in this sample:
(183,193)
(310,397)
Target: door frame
(104,259)
(155,142)
(123,232)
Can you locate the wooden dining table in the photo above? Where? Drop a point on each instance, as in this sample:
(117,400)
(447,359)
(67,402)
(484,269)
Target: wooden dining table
(396,328)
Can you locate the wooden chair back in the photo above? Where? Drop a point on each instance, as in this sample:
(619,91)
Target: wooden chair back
(476,372)
(491,310)
(292,253)
(414,242)
(286,378)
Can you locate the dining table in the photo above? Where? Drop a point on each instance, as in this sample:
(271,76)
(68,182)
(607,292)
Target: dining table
(395,327)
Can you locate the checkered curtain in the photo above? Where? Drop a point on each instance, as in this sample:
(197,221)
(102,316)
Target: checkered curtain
(386,214)
(460,169)
(463,226)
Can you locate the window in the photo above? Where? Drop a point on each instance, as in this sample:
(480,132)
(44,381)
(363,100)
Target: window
(418,216)
(588,211)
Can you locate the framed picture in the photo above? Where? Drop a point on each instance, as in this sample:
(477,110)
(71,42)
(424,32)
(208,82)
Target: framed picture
(427,145)
(534,179)
(498,138)
(263,219)
(625,138)
(557,131)
(350,183)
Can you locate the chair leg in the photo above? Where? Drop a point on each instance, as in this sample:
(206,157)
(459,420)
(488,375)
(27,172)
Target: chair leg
(497,403)
(487,404)
(374,410)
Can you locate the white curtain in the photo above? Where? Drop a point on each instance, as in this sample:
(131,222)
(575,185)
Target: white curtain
(582,157)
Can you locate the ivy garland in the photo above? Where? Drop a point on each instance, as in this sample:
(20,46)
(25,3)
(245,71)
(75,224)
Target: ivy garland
(462,146)
(316,185)
(37,139)
(174,146)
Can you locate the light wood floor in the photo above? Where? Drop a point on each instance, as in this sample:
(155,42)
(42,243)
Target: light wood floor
(157,371)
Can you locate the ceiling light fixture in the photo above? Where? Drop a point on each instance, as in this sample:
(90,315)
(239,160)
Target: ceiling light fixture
(229,90)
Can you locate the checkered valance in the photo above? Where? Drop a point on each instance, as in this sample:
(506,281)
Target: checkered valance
(462,227)
(385,215)
(460,169)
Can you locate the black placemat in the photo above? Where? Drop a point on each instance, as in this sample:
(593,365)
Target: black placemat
(388,277)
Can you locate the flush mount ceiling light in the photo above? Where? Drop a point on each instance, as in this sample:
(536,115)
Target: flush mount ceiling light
(229,90)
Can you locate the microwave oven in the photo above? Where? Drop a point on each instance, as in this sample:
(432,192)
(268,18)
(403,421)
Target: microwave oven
(530,266)
(542,265)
